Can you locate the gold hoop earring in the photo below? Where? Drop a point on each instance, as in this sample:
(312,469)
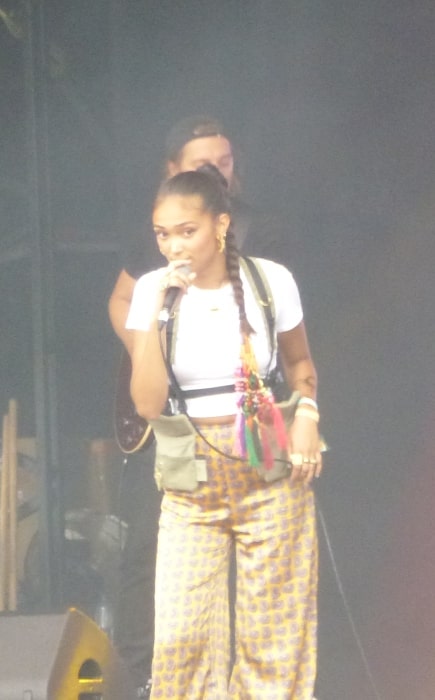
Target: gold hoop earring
(221,243)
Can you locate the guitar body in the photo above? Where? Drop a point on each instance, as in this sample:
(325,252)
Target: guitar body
(132,432)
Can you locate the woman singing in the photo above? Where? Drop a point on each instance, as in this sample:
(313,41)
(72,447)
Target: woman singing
(235,467)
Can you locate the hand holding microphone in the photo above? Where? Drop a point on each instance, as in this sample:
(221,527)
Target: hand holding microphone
(174,284)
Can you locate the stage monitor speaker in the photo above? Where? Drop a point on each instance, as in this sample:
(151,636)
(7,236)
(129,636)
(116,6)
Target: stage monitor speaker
(59,657)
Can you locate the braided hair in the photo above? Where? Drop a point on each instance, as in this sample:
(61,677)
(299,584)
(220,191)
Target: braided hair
(209,183)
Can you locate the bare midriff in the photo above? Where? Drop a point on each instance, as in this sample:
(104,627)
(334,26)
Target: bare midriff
(214,420)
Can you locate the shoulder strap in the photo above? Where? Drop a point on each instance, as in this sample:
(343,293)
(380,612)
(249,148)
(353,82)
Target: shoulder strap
(171,331)
(260,285)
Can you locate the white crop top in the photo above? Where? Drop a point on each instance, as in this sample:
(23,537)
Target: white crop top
(208,341)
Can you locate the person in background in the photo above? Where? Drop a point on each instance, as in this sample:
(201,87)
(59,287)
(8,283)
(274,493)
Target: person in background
(191,143)
(217,460)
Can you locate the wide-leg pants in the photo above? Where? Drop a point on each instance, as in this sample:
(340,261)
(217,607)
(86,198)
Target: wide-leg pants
(272,526)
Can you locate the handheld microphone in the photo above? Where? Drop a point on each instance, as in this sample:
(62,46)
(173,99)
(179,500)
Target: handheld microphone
(171,297)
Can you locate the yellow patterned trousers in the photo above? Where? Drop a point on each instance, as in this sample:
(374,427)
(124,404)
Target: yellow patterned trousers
(272,527)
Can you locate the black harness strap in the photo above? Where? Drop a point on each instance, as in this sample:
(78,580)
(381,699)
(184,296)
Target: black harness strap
(208,391)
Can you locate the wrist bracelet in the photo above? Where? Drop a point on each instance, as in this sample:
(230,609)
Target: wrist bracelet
(307,401)
(308,413)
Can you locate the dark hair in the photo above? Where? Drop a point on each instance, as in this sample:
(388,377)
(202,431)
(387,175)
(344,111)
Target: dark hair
(208,183)
(194,127)
(199,126)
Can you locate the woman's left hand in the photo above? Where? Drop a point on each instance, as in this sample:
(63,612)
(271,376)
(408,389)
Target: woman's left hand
(304,450)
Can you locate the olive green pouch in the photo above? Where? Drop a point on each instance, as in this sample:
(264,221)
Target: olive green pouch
(175,466)
(280,469)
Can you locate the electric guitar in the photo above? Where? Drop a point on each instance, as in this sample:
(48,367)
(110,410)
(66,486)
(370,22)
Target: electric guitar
(132,432)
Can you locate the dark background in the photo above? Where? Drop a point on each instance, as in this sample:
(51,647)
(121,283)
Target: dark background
(331,105)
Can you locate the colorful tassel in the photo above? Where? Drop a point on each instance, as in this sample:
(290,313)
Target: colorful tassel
(240,442)
(257,416)
(280,429)
(267,450)
(251,452)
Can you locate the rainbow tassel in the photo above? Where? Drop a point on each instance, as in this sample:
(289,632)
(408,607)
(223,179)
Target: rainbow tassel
(279,425)
(251,452)
(240,442)
(257,413)
(268,458)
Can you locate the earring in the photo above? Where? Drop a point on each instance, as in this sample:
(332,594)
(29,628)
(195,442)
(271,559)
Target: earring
(221,243)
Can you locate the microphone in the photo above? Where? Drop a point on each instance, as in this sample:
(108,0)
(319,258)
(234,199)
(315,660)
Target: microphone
(171,297)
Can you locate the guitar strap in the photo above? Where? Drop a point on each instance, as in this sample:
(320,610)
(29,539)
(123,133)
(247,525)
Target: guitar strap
(263,294)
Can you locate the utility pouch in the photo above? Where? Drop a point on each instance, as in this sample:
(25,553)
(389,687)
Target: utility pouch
(280,469)
(175,465)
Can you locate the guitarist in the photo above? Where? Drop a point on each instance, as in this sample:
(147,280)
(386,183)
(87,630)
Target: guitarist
(191,143)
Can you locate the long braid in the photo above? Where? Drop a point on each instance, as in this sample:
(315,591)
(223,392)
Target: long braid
(233,268)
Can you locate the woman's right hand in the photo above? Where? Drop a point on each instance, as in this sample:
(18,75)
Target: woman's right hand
(177,274)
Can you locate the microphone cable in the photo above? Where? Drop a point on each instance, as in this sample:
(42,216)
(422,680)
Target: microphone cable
(347,608)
